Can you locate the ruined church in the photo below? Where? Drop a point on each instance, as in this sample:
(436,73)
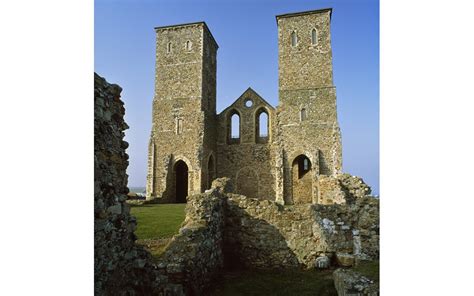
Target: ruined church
(284,153)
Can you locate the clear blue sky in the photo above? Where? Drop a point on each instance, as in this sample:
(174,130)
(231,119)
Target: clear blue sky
(246,32)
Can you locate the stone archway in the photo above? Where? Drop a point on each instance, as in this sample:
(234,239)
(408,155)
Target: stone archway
(302,181)
(181,173)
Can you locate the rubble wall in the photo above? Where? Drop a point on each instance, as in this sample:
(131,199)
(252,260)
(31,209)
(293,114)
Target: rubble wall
(264,234)
(120,266)
(194,257)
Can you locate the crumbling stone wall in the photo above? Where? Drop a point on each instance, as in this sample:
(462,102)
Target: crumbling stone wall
(194,257)
(120,266)
(264,234)
(344,188)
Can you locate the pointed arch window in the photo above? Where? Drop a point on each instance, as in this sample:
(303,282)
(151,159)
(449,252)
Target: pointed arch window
(262,126)
(314,37)
(233,127)
(188,45)
(294,38)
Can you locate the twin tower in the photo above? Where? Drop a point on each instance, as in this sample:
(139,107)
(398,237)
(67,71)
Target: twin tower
(269,153)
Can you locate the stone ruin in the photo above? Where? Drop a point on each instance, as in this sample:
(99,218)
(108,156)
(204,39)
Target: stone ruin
(220,225)
(273,201)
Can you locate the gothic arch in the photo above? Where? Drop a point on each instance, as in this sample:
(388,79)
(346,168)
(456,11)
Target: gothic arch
(230,114)
(180,181)
(302,179)
(259,138)
(176,158)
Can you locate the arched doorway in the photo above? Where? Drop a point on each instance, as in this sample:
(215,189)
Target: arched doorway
(181,182)
(302,180)
(211,171)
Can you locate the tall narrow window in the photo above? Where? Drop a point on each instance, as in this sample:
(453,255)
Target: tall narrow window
(314,37)
(179,126)
(188,45)
(169,47)
(235,126)
(305,164)
(263,125)
(262,131)
(303,114)
(293,38)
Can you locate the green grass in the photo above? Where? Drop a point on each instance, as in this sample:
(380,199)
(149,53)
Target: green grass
(369,269)
(158,221)
(288,282)
(157,224)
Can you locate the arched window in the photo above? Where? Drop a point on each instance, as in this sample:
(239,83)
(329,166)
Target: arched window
(234,127)
(261,126)
(304,165)
(169,47)
(294,38)
(303,114)
(188,45)
(314,37)
(235,123)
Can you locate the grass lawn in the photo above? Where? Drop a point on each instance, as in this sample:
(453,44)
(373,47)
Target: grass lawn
(158,221)
(156,225)
(288,282)
(369,269)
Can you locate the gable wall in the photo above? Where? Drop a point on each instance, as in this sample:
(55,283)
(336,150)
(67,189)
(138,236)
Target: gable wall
(249,164)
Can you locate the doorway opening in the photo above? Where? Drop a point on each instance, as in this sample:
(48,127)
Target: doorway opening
(181,173)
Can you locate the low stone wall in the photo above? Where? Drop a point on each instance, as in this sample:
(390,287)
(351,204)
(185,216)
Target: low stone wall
(194,257)
(120,266)
(342,189)
(263,234)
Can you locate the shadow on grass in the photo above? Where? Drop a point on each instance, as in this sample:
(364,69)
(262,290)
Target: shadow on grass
(284,282)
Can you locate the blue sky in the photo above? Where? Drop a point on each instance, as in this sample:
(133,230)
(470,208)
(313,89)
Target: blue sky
(246,32)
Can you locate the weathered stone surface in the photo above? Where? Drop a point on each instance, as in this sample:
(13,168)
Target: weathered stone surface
(120,266)
(345,260)
(194,257)
(264,234)
(350,283)
(354,186)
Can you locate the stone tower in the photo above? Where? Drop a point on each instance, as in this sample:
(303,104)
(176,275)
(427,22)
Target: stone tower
(182,146)
(309,135)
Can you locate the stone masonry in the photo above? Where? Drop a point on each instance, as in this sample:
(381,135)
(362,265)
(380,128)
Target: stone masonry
(222,228)
(191,145)
(120,266)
